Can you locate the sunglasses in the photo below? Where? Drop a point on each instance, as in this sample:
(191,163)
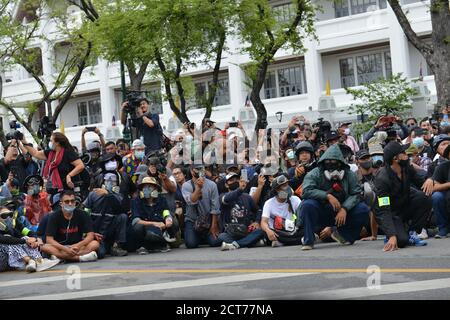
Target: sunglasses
(6,215)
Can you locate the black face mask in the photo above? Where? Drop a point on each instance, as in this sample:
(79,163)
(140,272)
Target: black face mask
(403,163)
(366,165)
(233,186)
(332,166)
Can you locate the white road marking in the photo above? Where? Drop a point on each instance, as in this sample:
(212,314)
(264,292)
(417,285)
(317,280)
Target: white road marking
(49,279)
(364,292)
(162,286)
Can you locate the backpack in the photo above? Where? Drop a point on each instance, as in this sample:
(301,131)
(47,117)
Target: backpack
(203,222)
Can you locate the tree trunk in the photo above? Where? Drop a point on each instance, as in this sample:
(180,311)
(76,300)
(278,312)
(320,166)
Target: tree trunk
(261,112)
(440,20)
(136,78)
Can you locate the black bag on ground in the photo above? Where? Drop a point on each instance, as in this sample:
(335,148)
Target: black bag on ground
(236,230)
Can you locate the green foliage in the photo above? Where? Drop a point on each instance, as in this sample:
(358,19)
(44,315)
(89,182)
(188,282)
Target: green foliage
(386,96)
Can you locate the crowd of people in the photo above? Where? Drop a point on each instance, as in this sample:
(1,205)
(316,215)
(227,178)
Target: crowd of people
(223,188)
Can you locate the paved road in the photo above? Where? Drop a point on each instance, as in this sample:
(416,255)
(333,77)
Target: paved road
(327,272)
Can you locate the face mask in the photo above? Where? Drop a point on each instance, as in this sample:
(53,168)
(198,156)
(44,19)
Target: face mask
(139,154)
(111,166)
(233,186)
(403,163)
(154,194)
(332,166)
(366,165)
(283,194)
(347,131)
(69,209)
(147,191)
(51,145)
(334,175)
(418,142)
(291,154)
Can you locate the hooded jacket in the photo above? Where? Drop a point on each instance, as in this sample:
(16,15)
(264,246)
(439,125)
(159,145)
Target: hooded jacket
(317,187)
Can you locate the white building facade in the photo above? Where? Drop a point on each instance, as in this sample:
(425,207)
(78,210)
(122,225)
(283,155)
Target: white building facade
(359,42)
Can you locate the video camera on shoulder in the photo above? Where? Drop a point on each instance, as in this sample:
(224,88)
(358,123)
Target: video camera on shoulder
(14,133)
(133,100)
(322,128)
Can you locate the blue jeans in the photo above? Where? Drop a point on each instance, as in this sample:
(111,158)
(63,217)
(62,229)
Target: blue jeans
(193,239)
(248,241)
(315,215)
(440,210)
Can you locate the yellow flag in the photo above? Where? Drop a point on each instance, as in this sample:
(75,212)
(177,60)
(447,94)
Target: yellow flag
(61,126)
(327,89)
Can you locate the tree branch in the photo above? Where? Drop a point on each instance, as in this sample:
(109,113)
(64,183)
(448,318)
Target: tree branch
(425,49)
(180,88)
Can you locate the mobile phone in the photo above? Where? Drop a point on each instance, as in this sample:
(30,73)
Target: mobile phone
(91,129)
(201,173)
(233,124)
(244,175)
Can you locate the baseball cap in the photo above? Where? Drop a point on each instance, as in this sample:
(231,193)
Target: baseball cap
(279,181)
(137,144)
(362,154)
(149,180)
(231,175)
(332,135)
(393,149)
(412,149)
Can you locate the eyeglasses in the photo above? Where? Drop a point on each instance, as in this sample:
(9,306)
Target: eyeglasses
(70,201)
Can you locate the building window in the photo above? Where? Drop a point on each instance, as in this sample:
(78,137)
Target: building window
(363,69)
(284,82)
(284,12)
(347,72)
(344,8)
(202,89)
(89,112)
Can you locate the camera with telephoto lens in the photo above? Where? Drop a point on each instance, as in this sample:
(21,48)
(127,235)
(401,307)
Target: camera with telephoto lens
(46,128)
(133,100)
(322,129)
(14,134)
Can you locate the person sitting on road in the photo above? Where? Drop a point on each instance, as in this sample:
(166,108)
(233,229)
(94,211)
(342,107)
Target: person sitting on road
(153,226)
(278,217)
(65,230)
(304,152)
(36,204)
(332,202)
(110,220)
(400,209)
(239,216)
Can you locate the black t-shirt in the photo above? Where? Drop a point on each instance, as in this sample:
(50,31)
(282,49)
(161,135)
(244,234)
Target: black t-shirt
(65,167)
(17,167)
(441,174)
(68,232)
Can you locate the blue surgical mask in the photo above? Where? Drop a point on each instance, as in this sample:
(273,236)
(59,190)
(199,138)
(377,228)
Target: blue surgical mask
(418,142)
(51,146)
(147,192)
(291,154)
(68,208)
(139,154)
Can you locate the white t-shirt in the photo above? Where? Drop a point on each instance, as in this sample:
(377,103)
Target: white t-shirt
(275,208)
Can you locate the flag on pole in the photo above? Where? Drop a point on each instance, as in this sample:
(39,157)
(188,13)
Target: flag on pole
(420,71)
(327,88)
(247,101)
(61,126)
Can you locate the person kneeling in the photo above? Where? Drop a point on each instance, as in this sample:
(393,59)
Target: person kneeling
(65,230)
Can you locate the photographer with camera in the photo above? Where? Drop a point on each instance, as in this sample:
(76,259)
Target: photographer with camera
(97,132)
(384,123)
(146,123)
(62,163)
(291,136)
(13,162)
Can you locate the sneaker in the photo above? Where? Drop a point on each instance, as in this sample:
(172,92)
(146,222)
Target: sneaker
(118,251)
(414,240)
(260,243)
(306,247)
(91,256)
(165,249)
(168,238)
(276,244)
(31,266)
(53,257)
(386,239)
(339,239)
(142,251)
(46,264)
(423,235)
(227,246)
(441,234)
